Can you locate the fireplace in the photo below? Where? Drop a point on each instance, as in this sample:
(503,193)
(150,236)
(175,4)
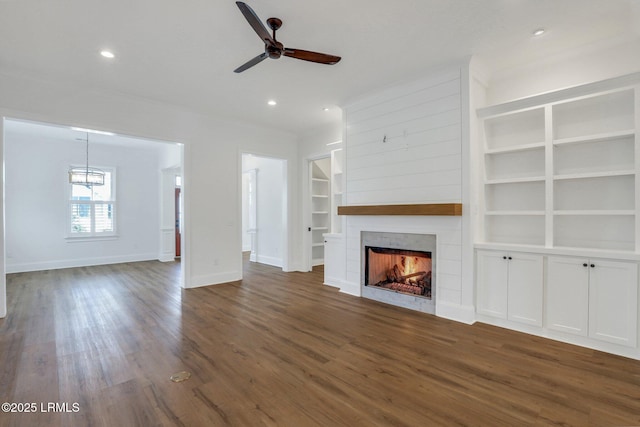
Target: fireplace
(399,269)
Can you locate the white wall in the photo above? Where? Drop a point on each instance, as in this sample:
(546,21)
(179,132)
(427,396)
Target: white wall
(246,234)
(270,197)
(36,205)
(212,161)
(580,66)
(313,143)
(404,145)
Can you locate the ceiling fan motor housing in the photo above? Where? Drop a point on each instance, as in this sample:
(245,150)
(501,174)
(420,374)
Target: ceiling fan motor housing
(274,52)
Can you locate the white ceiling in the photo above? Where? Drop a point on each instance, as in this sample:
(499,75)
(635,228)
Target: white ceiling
(184,52)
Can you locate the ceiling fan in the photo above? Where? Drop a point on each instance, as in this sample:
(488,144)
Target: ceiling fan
(273,48)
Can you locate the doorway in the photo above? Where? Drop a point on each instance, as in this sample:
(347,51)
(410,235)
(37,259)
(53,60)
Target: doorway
(264,209)
(320,191)
(42,212)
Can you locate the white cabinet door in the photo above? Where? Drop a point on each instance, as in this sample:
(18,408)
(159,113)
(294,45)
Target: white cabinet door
(334,259)
(567,296)
(492,284)
(613,301)
(525,288)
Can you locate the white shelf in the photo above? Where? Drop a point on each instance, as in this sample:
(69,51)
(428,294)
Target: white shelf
(315,245)
(516,148)
(514,180)
(597,137)
(320,196)
(515,213)
(319,228)
(319,213)
(320,179)
(596,212)
(594,174)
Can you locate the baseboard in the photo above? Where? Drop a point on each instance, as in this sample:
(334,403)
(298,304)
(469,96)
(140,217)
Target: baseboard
(72,263)
(167,257)
(214,279)
(350,288)
(332,282)
(269,260)
(459,313)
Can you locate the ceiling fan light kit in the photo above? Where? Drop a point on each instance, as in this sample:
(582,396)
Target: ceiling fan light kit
(273,48)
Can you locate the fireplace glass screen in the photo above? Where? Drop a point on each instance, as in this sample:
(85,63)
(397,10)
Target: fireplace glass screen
(399,270)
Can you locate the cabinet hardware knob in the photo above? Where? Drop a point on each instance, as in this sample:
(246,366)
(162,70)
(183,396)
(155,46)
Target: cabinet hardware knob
(593,265)
(510,258)
(504,257)
(585,265)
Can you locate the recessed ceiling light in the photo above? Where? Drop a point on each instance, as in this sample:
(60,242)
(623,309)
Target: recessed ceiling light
(107,54)
(272,102)
(325,109)
(538,32)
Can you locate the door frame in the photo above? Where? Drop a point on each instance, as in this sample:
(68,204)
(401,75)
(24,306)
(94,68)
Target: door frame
(286,208)
(306,209)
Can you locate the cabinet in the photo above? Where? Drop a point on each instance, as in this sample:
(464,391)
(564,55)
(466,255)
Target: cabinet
(510,286)
(563,174)
(593,297)
(335,259)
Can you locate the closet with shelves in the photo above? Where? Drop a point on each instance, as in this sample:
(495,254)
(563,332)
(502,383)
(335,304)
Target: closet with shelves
(326,178)
(320,210)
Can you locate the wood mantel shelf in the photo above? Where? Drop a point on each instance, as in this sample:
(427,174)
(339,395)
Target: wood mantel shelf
(442,209)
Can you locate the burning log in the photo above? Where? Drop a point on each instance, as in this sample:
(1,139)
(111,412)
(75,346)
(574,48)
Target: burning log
(395,275)
(408,276)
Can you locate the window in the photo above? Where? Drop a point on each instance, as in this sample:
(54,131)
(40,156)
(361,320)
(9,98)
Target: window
(92,208)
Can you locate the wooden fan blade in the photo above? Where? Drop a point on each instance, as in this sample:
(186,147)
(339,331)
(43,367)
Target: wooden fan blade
(252,62)
(256,24)
(306,55)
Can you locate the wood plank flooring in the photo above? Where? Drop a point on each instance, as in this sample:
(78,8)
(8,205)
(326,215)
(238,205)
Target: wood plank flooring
(281,349)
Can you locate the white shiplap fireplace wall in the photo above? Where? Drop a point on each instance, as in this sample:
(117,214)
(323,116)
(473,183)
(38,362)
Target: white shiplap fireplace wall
(403,146)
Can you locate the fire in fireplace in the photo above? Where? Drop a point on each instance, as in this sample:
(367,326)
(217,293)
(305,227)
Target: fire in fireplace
(399,270)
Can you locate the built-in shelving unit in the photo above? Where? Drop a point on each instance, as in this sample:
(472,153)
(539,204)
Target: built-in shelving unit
(563,174)
(558,245)
(320,210)
(337,188)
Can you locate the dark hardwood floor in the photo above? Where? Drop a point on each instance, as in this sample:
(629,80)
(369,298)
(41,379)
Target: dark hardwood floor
(280,349)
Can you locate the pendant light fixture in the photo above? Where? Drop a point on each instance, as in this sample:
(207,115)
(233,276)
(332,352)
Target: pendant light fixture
(85,175)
